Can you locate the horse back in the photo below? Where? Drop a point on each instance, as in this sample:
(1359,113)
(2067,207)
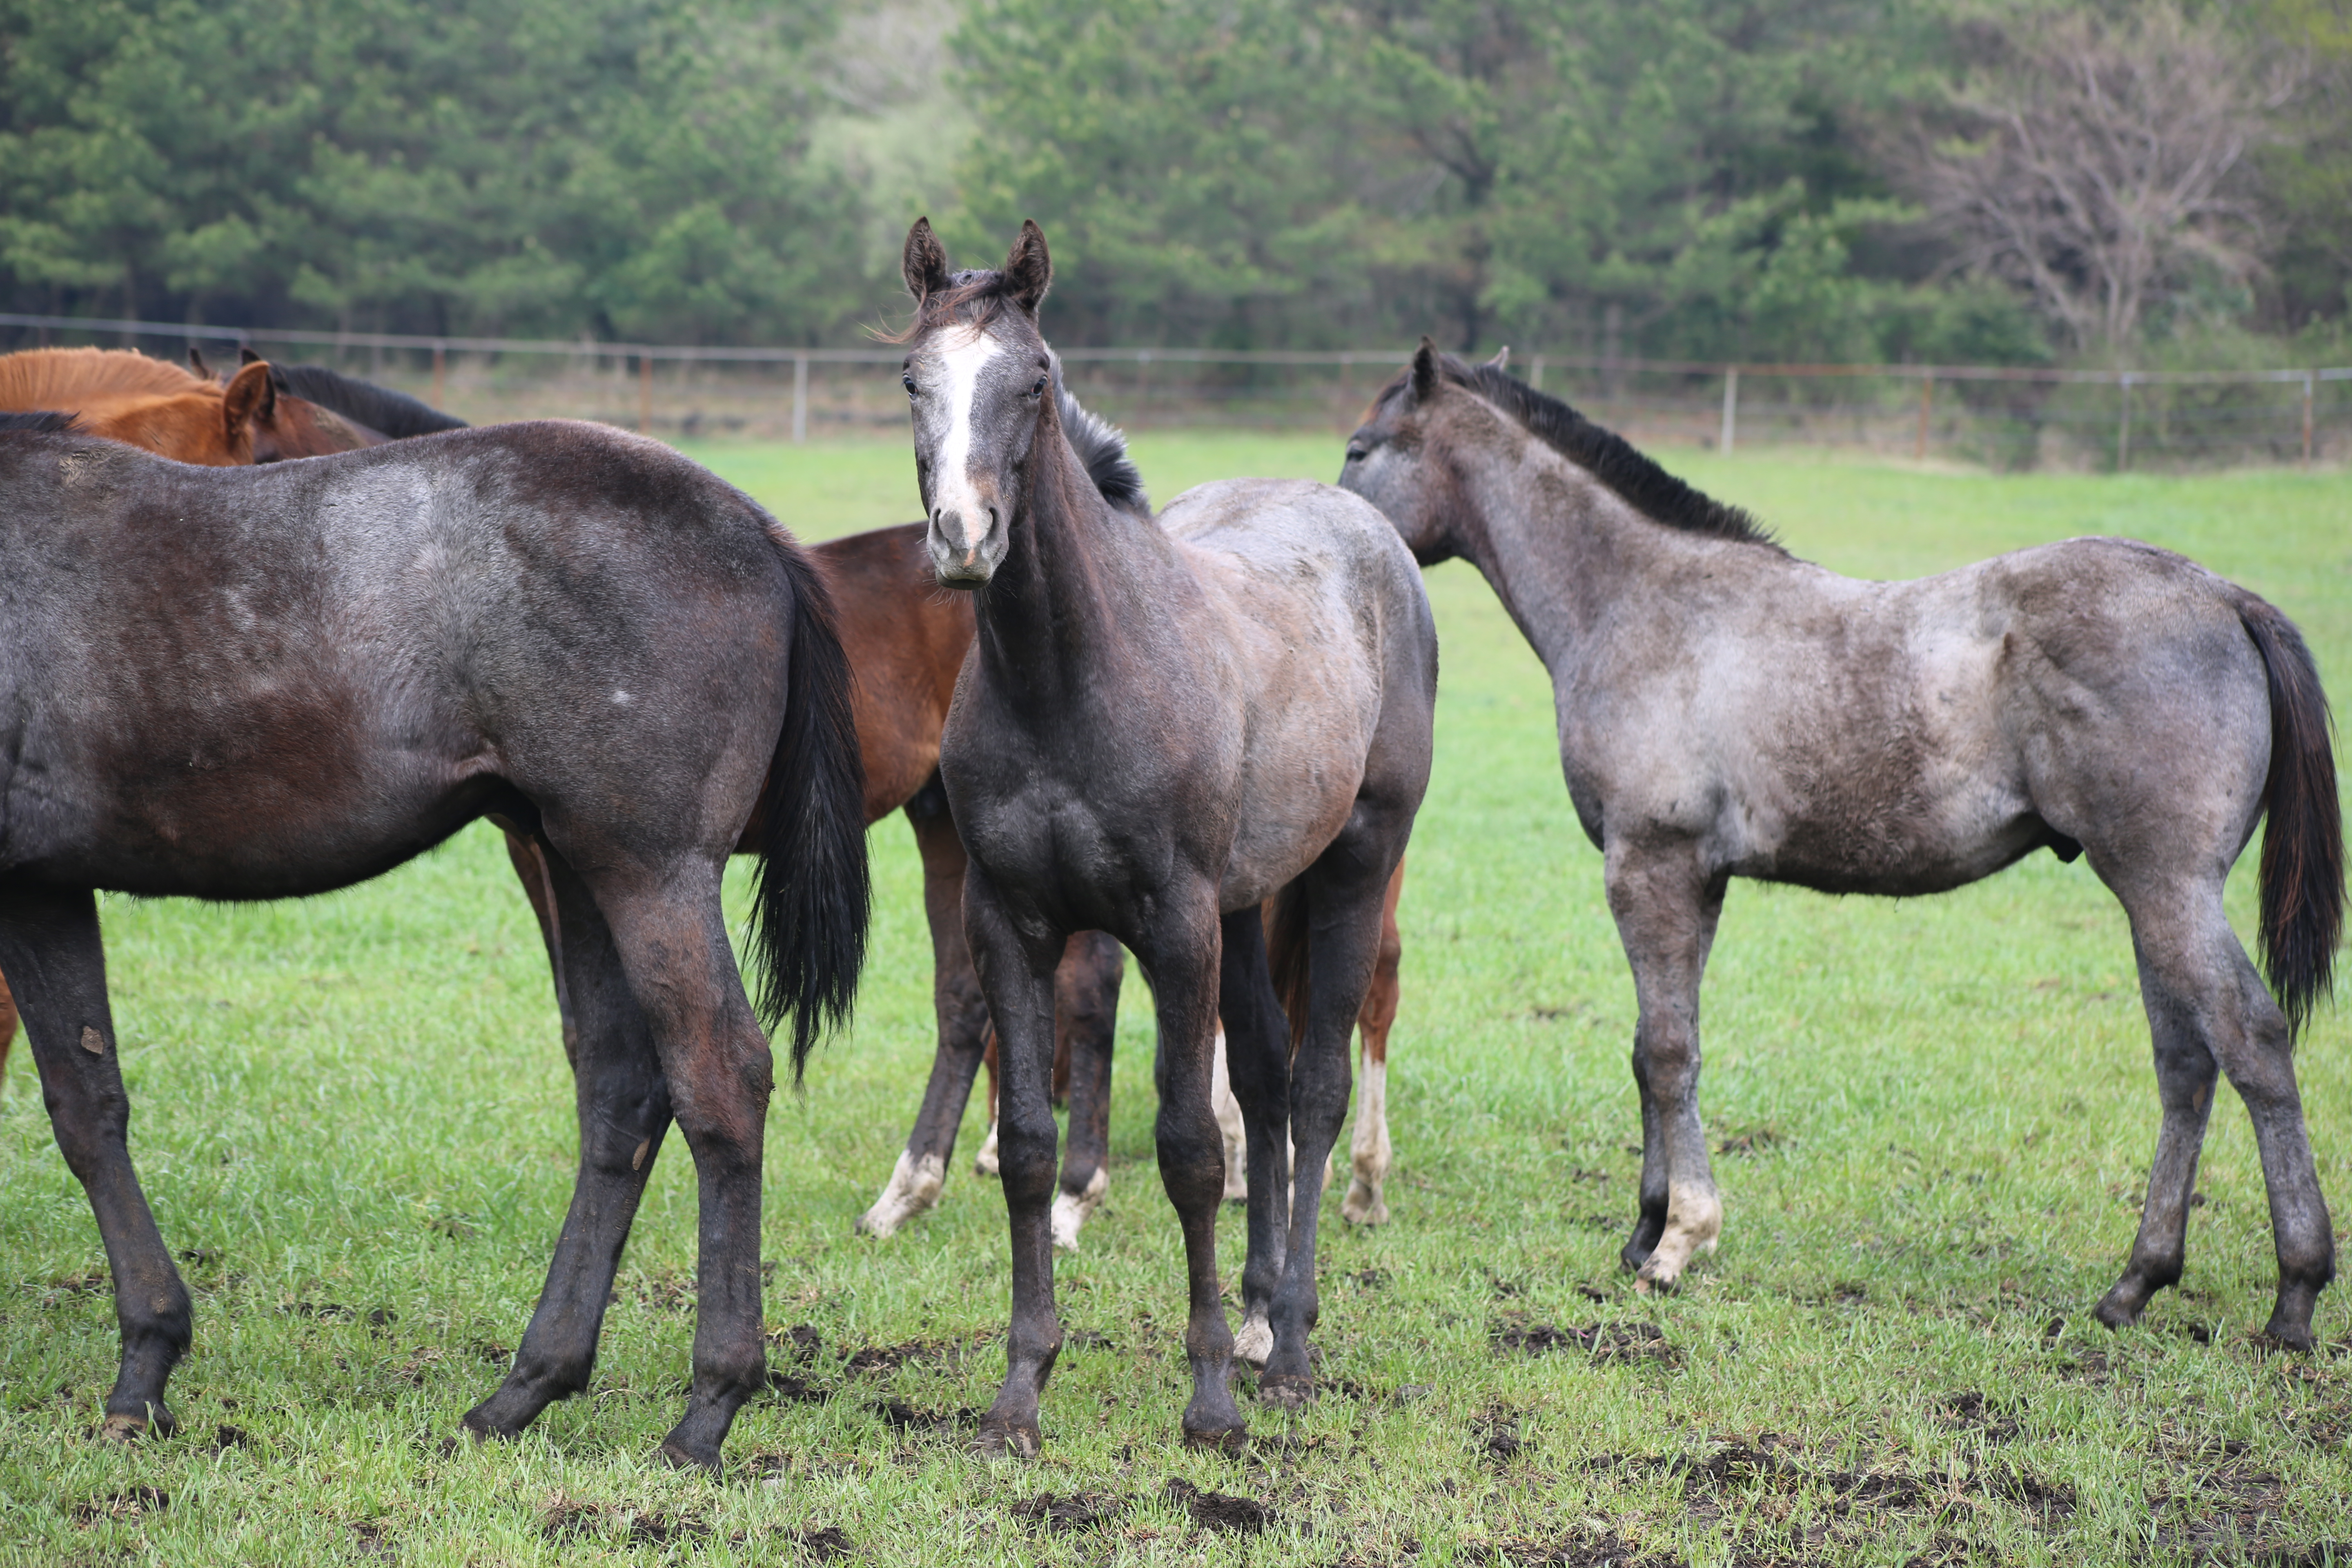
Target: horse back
(255,682)
(1904,737)
(1335,650)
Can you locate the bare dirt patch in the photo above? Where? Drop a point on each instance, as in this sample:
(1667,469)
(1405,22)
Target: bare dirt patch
(1622,1343)
(1071,1513)
(1218,1511)
(128,1507)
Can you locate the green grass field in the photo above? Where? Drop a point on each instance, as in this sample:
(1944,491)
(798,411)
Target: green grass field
(354,1120)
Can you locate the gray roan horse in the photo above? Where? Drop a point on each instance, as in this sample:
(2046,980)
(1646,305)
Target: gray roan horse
(1160,724)
(259,683)
(1728,710)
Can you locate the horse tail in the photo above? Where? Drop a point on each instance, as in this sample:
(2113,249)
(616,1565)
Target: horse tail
(808,930)
(2302,845)
(1285,955)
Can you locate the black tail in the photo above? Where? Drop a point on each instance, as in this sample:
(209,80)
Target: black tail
(2302,845)
(1285,955)
(808,922)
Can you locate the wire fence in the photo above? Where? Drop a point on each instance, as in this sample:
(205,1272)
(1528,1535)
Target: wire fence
(1998,416)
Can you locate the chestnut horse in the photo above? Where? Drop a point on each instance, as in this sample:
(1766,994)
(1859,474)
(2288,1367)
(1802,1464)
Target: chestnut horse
(123,395)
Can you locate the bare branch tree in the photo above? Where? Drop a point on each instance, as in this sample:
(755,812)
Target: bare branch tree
(2102,165)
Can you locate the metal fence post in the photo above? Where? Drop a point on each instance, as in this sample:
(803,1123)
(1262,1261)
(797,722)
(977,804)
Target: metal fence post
(1927,406)
(2122,426)
(800,397)
(2309,378)
(1535,372)
(1730,430)
(440,359)
(645,395)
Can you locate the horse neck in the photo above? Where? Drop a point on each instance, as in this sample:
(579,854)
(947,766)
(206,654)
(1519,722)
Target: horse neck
(1074,567)
(1559,548)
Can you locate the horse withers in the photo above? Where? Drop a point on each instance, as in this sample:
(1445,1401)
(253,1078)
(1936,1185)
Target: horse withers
(1162,723)
(1727,710)
(260,683)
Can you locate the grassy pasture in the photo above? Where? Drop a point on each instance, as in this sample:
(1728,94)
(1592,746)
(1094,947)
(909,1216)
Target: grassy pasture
(353,1114)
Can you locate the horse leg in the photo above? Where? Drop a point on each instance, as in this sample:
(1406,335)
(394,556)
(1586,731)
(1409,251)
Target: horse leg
(1344,893)
(50,945)
(1181,958)
(8,1023)
(1016,967)
(1667,912)
(623,1102)
(1368,1149)
(985,1161)
(528,856)
(1256,1038)
(914,1186)
(671,938)
(1086,1022)
(2207,1005)
(1228,1112)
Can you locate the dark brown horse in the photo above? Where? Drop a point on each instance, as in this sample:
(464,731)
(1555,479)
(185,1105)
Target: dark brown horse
(259,683)
(1727,710)
(121,394)
(1163,722)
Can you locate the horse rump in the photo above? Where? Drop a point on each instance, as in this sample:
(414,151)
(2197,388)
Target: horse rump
(814,896)
(2302,875)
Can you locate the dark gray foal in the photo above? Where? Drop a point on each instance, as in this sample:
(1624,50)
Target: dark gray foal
(1727,710)
(261,683)
(1160,724)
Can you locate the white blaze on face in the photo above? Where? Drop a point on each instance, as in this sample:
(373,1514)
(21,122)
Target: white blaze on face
(960,363)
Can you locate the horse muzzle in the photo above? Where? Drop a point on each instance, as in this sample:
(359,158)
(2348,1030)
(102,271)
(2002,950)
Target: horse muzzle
(966,544)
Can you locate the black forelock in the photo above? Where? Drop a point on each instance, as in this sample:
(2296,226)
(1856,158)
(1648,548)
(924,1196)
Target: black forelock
(1101,448)
(381,409)
(39,423)
(1605,455)
(975,296)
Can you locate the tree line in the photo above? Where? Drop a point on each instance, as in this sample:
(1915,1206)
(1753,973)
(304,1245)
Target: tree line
(1950,181)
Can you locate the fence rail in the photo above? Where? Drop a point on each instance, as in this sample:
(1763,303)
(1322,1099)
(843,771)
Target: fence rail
(2008,415)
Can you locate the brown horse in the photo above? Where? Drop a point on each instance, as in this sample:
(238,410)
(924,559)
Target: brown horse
(123,395)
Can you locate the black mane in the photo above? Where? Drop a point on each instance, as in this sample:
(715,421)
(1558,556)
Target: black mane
(1101,448)
(1608,457)
(381,409)
(39,423)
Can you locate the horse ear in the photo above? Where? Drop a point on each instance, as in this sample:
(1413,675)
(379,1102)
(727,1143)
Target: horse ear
(1028,270)
(245,355)
(196,362)
(925,260)
(249,399)
(1502,359)
(1425,371)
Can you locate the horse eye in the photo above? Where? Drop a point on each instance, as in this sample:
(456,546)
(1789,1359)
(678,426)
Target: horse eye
(1356,452)
(1039,389)
(906,379)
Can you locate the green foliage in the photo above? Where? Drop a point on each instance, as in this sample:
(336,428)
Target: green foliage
(1679,178)
(620,167)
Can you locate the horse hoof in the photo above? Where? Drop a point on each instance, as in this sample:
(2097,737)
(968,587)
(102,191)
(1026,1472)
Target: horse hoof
(1220,1440)
(130,1428)
(2118,1311)
(1364,1206)
(1003,1440)
(679,1457)
(2294,1337)
(1286,1390)
(1253,1342)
